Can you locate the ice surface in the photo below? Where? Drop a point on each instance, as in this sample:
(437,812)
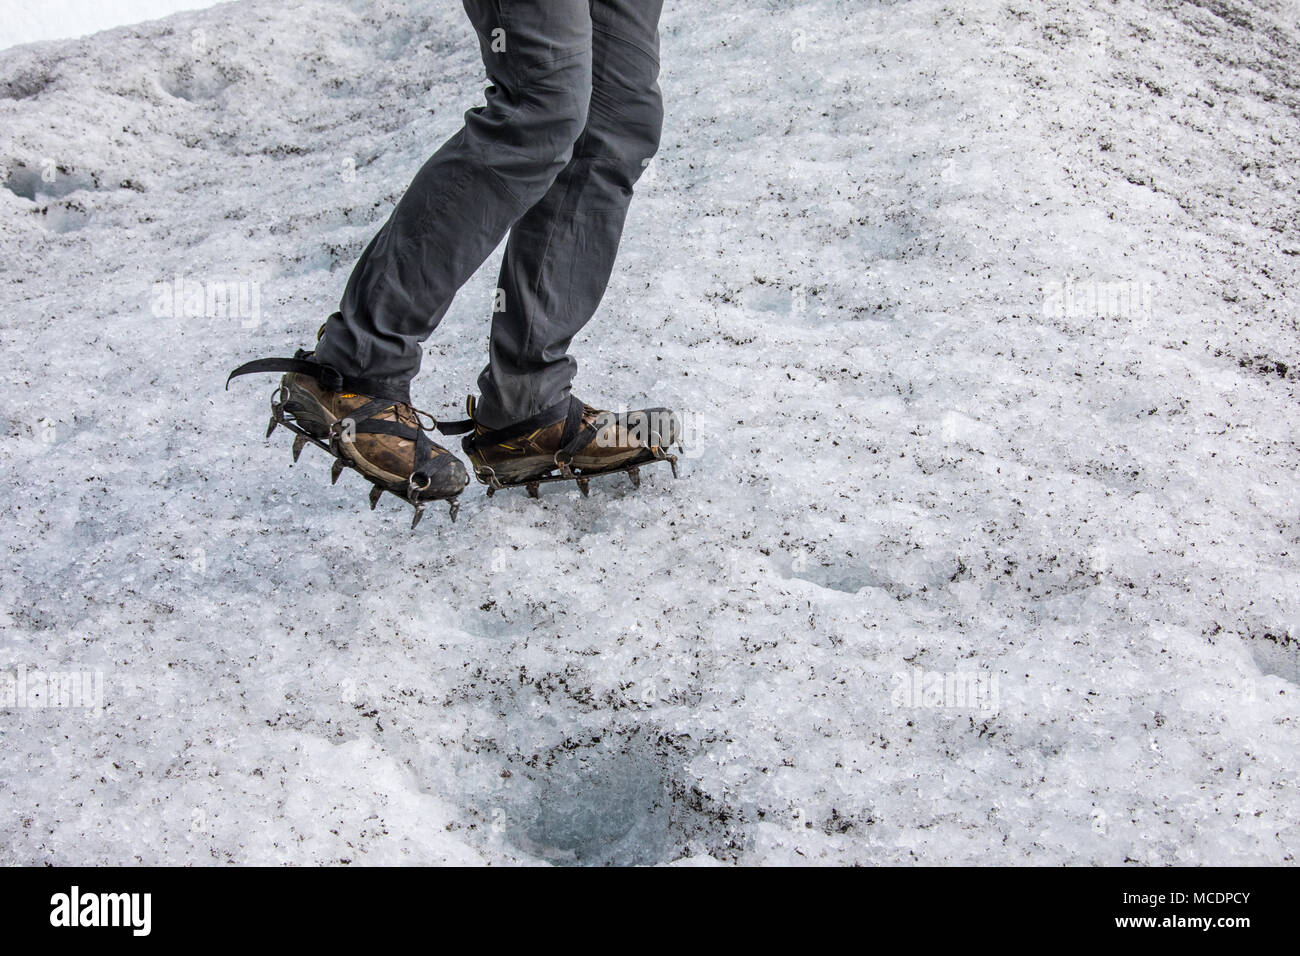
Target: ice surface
(919,475)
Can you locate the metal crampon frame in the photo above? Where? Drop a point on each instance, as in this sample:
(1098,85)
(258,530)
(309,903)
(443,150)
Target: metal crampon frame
(486,475)
(333,448)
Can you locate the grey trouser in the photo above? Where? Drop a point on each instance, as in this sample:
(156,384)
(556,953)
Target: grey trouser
(573,116)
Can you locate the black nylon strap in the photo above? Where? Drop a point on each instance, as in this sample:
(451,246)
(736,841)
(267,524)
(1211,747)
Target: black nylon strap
(298,366)
(329,377)
(562,410)
(384,394)
(421,455)
(580,441)
(370,409)
(379,426)
(456,428)
(576,436)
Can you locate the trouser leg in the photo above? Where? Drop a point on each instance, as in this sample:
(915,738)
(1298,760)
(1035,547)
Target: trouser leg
(466,197)
(561,252)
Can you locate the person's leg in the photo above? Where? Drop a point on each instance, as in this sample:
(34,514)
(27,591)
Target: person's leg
(561,252)
(465,198)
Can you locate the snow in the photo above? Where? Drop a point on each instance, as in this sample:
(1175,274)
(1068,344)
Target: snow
(967,563)
(27,21)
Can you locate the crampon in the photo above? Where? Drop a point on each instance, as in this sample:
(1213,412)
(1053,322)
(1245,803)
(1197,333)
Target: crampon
(571,442)
(380,436)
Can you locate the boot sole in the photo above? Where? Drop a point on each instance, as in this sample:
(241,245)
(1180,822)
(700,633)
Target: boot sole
(520,471)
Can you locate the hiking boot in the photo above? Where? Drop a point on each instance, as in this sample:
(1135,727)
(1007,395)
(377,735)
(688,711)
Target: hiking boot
(571,441)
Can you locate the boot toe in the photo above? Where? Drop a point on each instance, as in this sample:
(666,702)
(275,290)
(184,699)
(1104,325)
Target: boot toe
(662,423)
(445,474)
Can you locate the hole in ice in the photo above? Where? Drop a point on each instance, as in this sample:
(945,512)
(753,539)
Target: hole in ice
(44,183)
(600,809)
(196,82)
(612,801)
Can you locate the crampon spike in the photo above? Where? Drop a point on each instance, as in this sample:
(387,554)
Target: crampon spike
(635,475)
(584,485)
(375,494)
(271,427)
(672,463)
(337,470)
(299,443)
(454,509)
(419,513)
(534,489)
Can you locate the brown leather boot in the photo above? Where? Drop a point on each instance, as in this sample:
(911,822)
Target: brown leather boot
(572,441)
(386,439)
(377,437)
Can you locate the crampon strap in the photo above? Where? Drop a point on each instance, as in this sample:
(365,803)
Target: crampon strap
(383,396)
(330,378)
(573,438)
